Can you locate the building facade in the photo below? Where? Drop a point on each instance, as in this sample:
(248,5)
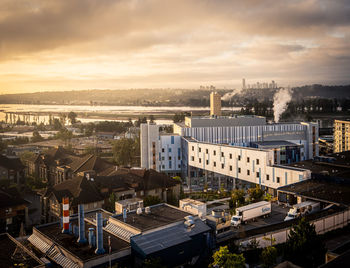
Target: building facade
(341,136)
(215,104)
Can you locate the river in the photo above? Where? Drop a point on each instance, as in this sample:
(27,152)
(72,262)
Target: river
(87,113)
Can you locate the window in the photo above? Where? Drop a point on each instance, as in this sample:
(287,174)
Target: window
(257,174)
(163,167)
(222,154)
(214,164)
(207,162)
(248,172)
(267,177)
(169,157)
(170,166)
(169,150)
(257,161)
(239,158)
(222,165)
(248,159)
(179,166)
(162,157)
(163,150)
(200,160)
(214,152)
(230,168)
(239,170)
(179,157)
(230,156)
(278,179)
(192,148)
(200,149)
(192,158)
(206,151)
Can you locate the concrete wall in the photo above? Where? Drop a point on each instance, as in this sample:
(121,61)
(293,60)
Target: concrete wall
(224,121)
(322,225)
(149,136)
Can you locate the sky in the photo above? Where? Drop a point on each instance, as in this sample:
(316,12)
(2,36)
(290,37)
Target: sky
(119,44)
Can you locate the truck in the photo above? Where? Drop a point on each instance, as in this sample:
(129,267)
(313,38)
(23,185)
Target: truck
(302,209)
(250,212)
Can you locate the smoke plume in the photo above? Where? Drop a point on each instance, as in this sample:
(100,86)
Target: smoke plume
(280,102)
(230,95)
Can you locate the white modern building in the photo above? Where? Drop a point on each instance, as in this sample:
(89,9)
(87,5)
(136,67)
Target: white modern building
(160,151)
(248,164)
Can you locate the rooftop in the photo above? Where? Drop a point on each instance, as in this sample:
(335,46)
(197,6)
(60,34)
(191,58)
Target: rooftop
(13,254)
(69,242)
(275,143)
(161,215)
(324,189)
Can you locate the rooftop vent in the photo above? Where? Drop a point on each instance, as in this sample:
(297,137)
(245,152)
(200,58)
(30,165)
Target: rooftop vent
(147,210)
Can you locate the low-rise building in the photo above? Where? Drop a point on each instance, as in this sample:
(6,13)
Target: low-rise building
(11,169)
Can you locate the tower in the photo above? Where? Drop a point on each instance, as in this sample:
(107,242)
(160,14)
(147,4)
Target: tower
(215,104)
(243,83)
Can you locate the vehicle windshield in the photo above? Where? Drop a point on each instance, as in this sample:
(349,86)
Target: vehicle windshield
(235,218)
(290,215)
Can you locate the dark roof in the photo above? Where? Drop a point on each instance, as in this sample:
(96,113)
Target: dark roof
(162,214)
(138,179)
(79,190)
(167,237)
(8,246)
(10,198)
(11,163)
(341,261)
(275,143)
(337,165)
(83,251)
(323,188)
(90,162)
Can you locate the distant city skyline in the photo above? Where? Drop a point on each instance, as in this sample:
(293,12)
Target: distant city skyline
(103,44)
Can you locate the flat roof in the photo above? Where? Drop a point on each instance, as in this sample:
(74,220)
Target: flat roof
(165,238)
(161,215)
(279,143)
(68,241)
(327,190)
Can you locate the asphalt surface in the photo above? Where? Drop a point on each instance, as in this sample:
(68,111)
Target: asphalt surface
(277,215)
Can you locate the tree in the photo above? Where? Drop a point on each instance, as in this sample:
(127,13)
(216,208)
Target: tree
(57,124)
(153,263)
(304,247)
(36,136)
(224,258)
(255,194)
(151,200)
(269,256)
(237,198)
(124,151)
(72,116)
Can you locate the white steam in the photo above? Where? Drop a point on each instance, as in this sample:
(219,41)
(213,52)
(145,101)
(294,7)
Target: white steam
(280,102)
(230,95)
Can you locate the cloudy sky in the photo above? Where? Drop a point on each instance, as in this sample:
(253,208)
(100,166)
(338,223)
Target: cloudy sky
(90,44)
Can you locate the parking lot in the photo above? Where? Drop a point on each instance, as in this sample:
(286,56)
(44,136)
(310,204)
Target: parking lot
(277,215)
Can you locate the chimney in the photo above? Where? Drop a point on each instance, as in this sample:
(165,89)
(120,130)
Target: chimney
(99,234)
(91,238)
(82,238)
(65,202)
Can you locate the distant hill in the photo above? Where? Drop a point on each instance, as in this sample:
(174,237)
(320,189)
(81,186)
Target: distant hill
(167,97)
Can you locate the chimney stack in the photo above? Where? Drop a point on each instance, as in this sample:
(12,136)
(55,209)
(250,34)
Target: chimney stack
(99,234)
(65,202)
(82,238)
(91,237)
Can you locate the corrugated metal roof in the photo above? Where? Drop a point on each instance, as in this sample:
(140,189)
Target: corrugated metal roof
(168,237)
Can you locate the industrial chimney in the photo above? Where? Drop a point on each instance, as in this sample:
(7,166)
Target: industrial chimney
(65,205)
(82,238)
(99,234)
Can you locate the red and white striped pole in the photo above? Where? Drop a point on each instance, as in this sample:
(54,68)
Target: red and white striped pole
(65,203)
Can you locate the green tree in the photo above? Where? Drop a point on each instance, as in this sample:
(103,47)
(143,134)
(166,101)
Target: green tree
(256,194)
(57,124)
(72,116)
(237,198)
(304,247)
(36,136)
(269,256)
(151,200)
(125,151)
(223,258)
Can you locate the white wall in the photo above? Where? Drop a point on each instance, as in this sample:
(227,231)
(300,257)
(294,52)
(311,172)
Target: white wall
(233,161)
